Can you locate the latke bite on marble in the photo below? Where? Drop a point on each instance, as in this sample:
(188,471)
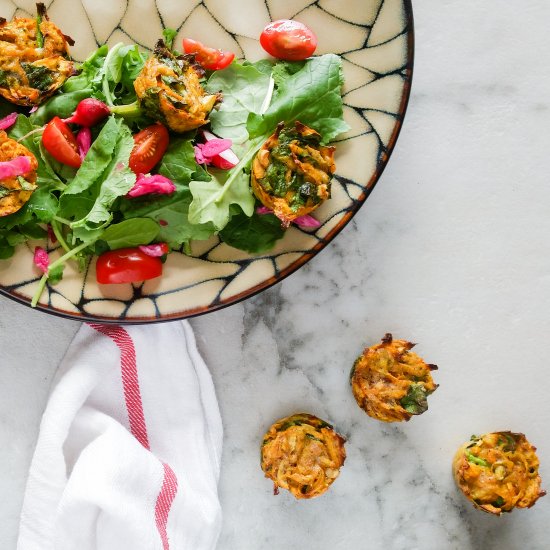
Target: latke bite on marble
(34,58)
(292,172)
(391,383)
(302,454)
(498,472)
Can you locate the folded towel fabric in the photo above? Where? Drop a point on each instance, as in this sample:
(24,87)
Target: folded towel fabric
(128,454)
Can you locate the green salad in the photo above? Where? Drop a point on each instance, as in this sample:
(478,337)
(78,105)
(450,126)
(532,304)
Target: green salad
(200,183)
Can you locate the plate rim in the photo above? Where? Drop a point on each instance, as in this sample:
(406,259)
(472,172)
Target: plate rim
(294,266)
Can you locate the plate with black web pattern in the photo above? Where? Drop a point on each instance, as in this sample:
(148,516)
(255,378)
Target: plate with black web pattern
(375,39)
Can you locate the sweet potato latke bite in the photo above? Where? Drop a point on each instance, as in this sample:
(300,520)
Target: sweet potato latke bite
(498,472)
(34,58)
(169,90)
(15,190)
(390,383)
(302,454)
(291,173)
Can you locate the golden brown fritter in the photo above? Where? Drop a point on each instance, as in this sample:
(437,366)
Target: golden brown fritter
(15,192)
(169,90)
(291,173)
(29,72)
(498,472)
(390,383)
(302,454)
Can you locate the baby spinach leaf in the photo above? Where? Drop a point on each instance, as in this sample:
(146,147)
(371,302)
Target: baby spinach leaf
(311,95)
(255,234)
(129,233)
(178,162)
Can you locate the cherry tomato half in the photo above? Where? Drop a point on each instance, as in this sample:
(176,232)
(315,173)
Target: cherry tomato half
(209,58)
(126,265)
(60,142)
(149,147)
(288,39)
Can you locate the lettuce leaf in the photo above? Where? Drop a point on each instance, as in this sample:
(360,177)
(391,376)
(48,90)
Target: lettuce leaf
(244,88)
(255,234)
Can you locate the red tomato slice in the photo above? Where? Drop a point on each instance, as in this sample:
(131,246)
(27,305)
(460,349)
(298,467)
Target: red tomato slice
(60,142)
(126,265)
(209,58)
(149,147)
(289,40)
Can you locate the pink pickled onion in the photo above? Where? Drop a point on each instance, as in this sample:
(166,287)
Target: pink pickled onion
(155,250)
(41,259)
(15,167)
(8,121)
(216,151)
(152,184)
(84,141)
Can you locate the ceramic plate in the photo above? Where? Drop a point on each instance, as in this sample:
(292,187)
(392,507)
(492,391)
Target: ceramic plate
(375,39)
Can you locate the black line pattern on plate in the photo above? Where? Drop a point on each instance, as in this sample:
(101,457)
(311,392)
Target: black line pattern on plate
(356,191)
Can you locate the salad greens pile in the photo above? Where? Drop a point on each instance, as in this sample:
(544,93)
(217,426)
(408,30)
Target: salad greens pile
(88,209)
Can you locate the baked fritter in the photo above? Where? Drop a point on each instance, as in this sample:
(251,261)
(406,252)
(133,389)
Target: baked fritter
(498,472)
(169,90)
(391,383)
(16,191)
(291,173)
(34,59)
(302,454)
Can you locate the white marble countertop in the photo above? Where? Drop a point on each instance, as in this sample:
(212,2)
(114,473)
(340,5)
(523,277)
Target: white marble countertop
(451,251)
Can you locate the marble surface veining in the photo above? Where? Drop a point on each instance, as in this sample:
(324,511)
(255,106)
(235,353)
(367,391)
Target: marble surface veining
(451,251)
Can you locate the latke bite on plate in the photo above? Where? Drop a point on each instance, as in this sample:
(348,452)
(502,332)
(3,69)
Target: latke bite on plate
(34,58)
(302,454)
(292,171)
(391,383)
(169,90)
(16,190)
(498,472)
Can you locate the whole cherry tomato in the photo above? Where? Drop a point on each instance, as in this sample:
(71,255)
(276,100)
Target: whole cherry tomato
(127,265)
(60,142)
(288,39)
(149,147)
(210,58)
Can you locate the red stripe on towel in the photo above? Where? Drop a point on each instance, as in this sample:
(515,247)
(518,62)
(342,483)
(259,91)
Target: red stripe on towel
(164,503)
(130,381)
(134,407)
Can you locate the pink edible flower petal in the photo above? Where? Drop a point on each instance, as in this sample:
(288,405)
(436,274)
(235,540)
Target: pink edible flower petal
(33,110)
(152,184)
(41,259)
(155,250)
(306,221)
(8,121)
(84,141)
(261,210)
(18,166)
(199,157)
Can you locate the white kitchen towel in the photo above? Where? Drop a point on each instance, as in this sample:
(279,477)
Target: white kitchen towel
(128,455)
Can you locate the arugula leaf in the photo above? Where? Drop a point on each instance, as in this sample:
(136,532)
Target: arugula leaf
(130,233)
(115,181)
(311,95)
(256,234)
(212,199)
(96,161)
(244,89)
